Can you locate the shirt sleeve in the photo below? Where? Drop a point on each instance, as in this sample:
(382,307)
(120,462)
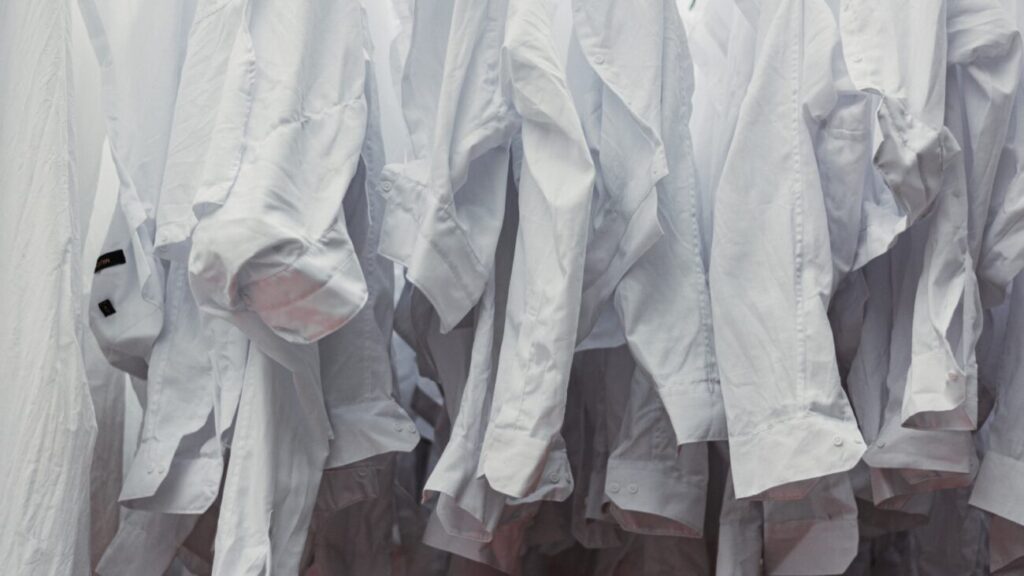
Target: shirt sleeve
(355,361)
(771,271)
(444,208)
(140,77)
(618,94)
(271,237)
(1002,243)
(1002,249)
(878,47)
(664,298)
(654,487)
(126,304)
(997,488)
(985,52)
(816,534)
(547,272)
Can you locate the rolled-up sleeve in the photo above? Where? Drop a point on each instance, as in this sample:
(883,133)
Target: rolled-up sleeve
(271,236)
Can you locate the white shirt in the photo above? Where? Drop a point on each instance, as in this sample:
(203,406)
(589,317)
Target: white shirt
(545,289)
(46,415)
(771,266)
(444,206)
(140,79)
(996,490)
(663,299)
(179,462)
(305,158)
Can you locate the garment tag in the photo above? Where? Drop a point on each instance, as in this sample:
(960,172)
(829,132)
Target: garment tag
(107,308)
(109,259)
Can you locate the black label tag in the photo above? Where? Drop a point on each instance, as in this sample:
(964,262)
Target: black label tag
(109,259)
(107,308)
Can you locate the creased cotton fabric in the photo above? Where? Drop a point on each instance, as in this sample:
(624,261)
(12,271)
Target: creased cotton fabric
(475,287)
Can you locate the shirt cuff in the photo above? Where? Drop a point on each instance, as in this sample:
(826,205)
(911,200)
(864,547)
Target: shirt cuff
(1006,546)
(343,487)
(894,488)
(503,552)
(998,488)
(466,506)
(180,486)
(145,543)
(513,462)
(126,305)
(802,448)
(304,299)
(811,547)
(368,429)
(656,499)
(423,236)
(911,157)
(937,396)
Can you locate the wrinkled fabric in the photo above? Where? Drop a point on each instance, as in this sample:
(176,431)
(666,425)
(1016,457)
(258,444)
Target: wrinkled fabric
(543,309)
(771,267)
(46,421)
(513,287)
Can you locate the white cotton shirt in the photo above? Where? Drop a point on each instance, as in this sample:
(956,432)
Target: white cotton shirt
(355,361)
(771,266)
(271,253)
(46,415)
(545,289)
(190,396)
(996,489)
(257,250)
(663,299)
(140,78)
(444,205)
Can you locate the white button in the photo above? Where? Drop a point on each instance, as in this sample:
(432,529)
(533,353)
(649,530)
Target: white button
(613,487)
(553,476)
(398,427)
(361,473)
(858,441)
(837,441)
(598,59)
(411,429)
(162,470)
(385,186)
(953,376)
(880,444)
(633,489)
(858,58)
(150,470)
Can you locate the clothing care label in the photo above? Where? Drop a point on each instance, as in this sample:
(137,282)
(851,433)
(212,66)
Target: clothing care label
(109,259)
